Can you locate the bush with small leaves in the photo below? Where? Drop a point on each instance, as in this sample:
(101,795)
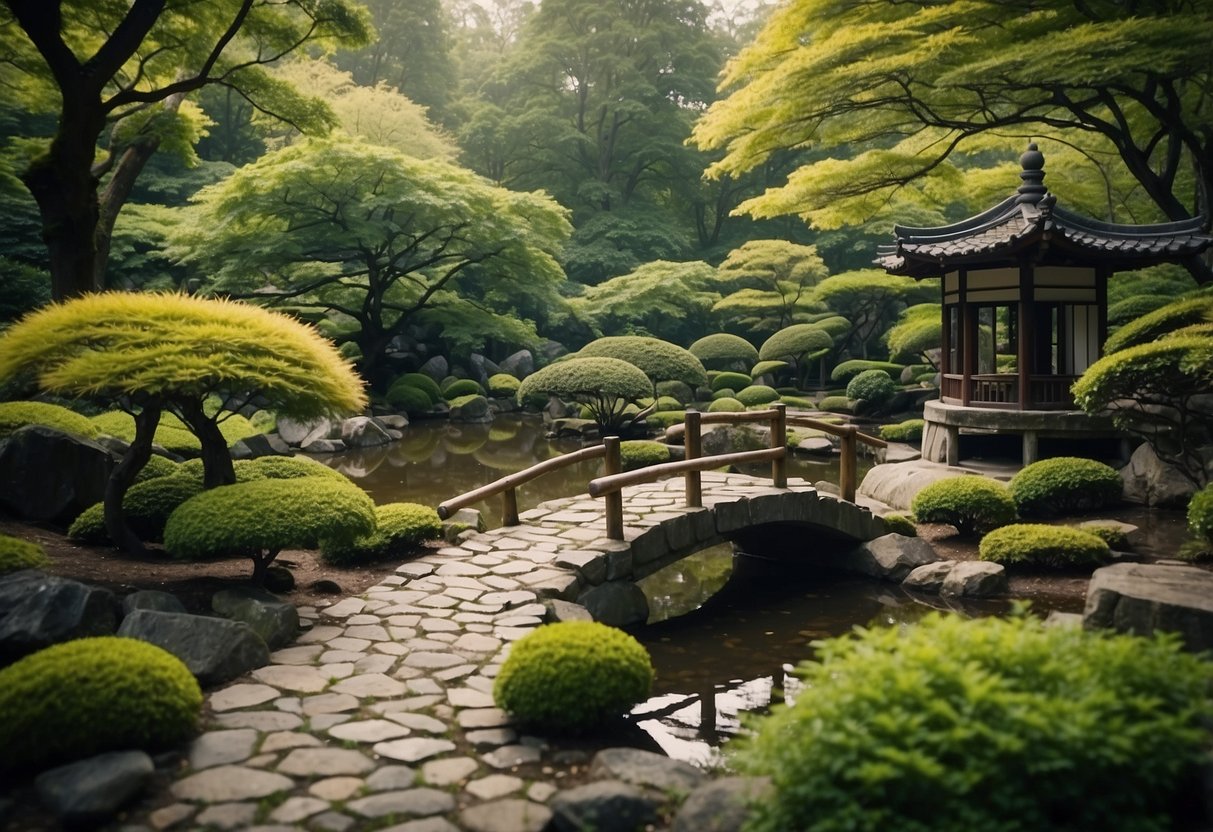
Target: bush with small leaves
(1064,485)
(730,381)
(640,453)
(1110,533)
(871,388)
(659,360)
(665,418)
(836,404)
(462,387)
(848,370)
(724,393)
(727,404)
(605,385)
(757,394)
(16,554)
(291,467)
(1150,327)
(84,697)
(173,434)
(798,402)
(14,415)
(399,529)
(722,349)
(1200,514)
(1037,544)
(411,400)
(900,524)
(908,431)
(680,391)
(157,466)
(970,503)
(503,386)
(147,507)
(573,676)
(421,381)
(955,724)
(796,343)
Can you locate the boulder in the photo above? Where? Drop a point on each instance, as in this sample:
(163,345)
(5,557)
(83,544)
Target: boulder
(276,621)
(891,557)
(471,409)
(260,444)
(520,365)
(929,577)
(90,792)
(896,484)
(38,610)
(215,650)
(461,521)
(279,579)
(393,421)
(898,452)
(1145,598)
(323,446)
(482,368)
(721,805)
(573,429)
(548,351)
(436,368)
(324,430)
(646,769)
(151,599)
(814,446)
(975,579)
(294,431)
(727,439)
(46,474)
(556,409)
(607,806)
(561,610)
(616,603)
(362,432)
(1150,481)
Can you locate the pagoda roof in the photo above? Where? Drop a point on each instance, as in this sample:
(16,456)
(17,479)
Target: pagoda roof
(1030,226)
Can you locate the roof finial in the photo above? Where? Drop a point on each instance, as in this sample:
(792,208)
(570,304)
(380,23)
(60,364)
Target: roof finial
(1033,175)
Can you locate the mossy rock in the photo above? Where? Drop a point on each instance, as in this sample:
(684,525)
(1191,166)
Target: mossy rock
(146,506)
(1063,485)
(640,453)
(292,467)
(763,368)
(900,524)
(91,695)
(907,431)
(572,677)
(412,400)
(1037,544)
(971,504)
(665,418)
(757,395)
(17,554)
(423,382)
(460,389)
(503,386)
(726,405)
(15,415)
(724,393)
(399,529)
(798,402)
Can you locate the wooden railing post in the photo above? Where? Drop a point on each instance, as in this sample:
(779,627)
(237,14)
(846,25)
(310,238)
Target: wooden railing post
(692,443)
(509,507)
(847,464)
(779,439)
(614,500)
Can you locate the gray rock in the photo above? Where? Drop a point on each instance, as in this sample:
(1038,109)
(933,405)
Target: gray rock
(891,557)
(461,521)
(520,365)
(570,428)
(725,439)
(393,421)
(151,599)
(215,650)
(896,484)
(293,431)
(279,579)
(90,792)
(258,445)
(1145,598)
(721,805)
(975,579)
(482,368)
(514,815)
(436,368)
(322,446)
(815,446)
(898,452)
(362,432)
(548,351)
(606,806)
(616,603)
(929,577)
(276,621)
(560,610)
(1150,481)
(644,768)
(325,430)
(38,610)
(474,409)
(46,474)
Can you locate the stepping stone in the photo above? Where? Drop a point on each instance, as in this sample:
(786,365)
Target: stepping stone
(296,809)
(432,661)
(227,816)
(506,816)
(346,608)
(325,762)
(370,685)
(285,740)
(493,786)
(293,677)
(418,802)
(371,632)
(391,778)
(242,696)
(492,737)
(448,772)
(230,783)
(300,654)
(217,748)
(371,730)
(329,703)
(418,722)
(261,720)
(468,698)
(474,643)
(509,756)
(483,718)
(413,749)
(337,788)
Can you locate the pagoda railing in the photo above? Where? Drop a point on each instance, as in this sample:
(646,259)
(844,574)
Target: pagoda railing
(1001,390)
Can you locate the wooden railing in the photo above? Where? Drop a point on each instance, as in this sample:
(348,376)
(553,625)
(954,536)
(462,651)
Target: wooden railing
(610,486)
(998,390)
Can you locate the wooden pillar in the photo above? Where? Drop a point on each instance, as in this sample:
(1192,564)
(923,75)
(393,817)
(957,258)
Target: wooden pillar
(1102,275)
(509,507)
(968,339)
(779,439)
(945,357)
(614,500)
(692,443)
(1024,357)
(847,464)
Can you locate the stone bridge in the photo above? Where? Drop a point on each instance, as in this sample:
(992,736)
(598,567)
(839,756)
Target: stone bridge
(567,538)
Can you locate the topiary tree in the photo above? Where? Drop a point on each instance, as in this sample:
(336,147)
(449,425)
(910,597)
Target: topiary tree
(399,529)
(726,404)
(604,385)
(757,394)
(171,433)
(573,676)
(657,359)
(847,370)
(1064,484)
(1040,545)
(800,345)
(918,333)
(16,554)
(14,415)
(729,381)
(1150,327)
(871,389)
(970,503)
(723,351)
(258,519)
(151,353)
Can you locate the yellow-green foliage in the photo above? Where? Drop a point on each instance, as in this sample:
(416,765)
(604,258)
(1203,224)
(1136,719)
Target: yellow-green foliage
(722,349)
(1064,484)
(798,402)
(900,524)
(409,399)
(172,434)
(1041,545)
(836,404)
(84,697)
(1150,327)
(290,467)
(908,431)
(146,508)
(726,404)
(20,554)
(422,382)
(762,368)
(970,503)
(665,418)
(14,415)
(461,388)
(796,343)
(573,676)
(957,725)
(848,370)
(757,394)
(503,386)
(252,518)
(724,393)
(117,344)
(399,529)
(640,453)
(1109,533)
(157,466)
(1200,514)
(657,359)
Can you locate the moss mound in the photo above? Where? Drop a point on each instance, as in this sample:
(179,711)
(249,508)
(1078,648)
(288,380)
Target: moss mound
(157,466)
(836,404)
(1041,545)
(970,503)
(291,467)
(573,676)
(16,554)
(900,524)
(14,415)
(798,402)
(665,418)
(147,506)
(411,400)
(460,388)
(908,431)
(729,381)
(640,453)
(421,381)
(1063,485)
(83,697)
(399,529)
(726,404)
(757,394)
(762,368)
(503,386)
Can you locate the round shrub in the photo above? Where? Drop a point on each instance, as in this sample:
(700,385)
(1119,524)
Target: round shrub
(796,342)
(16,554)
(503,386)
(1110,533)
(85,697)
(680,391)
(1041,545)
(462,387)
(836,404)
(409,399)
(848,370)
(399,529)
(573,676)
(157,466)
(146,506)
(900,524)
(730,381)
(14,415)
(722,349)
(1200,514)
(665,418)
(1150,327)
(970,503)
(872,387)
(726,405)
(798,402)
(954,725)
(757,394)
(421,381)
(640,453)
(724,393)
(762,368)
(659,360)
(908,431)
(291,467)
(1064,484)
(173,434)
(605,384)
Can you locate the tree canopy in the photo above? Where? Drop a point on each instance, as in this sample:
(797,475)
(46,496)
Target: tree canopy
(664,299)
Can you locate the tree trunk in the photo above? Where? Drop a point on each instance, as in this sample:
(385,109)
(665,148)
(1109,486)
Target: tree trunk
(261,564)
(216,459)
(123,476)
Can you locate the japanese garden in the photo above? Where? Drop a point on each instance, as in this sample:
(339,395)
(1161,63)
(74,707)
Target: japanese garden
(614,415)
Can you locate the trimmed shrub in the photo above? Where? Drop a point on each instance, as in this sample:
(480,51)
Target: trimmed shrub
(908,431)
(724,393)
(1109,533)
(665,418)
(871,387)
(722,349)
(1063,485)
(85,697)
(798,402)
(730,381)
(640,453)
(682,392)
(848,370)
(421,381)
(659,360)
(462,387)
(573,676)
(1041,545)
(900,524)
(956,725)
(764,367)
(289,468)
(503,386)
(795,343)
(836,404)
(157,466)
(146,507)
(1130,309)
(605,385)
(172,434)
(14,415)
(399,529)
(1150,327)
(411,400)
(727,404)
(757,394)
(1200,514)
(16,554)
(970,503)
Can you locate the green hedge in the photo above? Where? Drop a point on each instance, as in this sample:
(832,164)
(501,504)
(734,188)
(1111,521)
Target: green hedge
(16,554)
(848,370)
(728,404)
(80,698)
(1040,545)
(799,402)
(1063,485)
(573,676)
(757,394)
(665,418)
(146,506)
(503,386)
(399,529)
(722,349)
(960,725)
(970,503)
(15,415)
(764,367)
(730,381)
(900,524)
(908,431)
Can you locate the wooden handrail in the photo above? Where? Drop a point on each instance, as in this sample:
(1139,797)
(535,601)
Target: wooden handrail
(615,482)
(675,431)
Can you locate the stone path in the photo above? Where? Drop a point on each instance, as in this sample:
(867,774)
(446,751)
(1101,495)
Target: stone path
(381,714)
